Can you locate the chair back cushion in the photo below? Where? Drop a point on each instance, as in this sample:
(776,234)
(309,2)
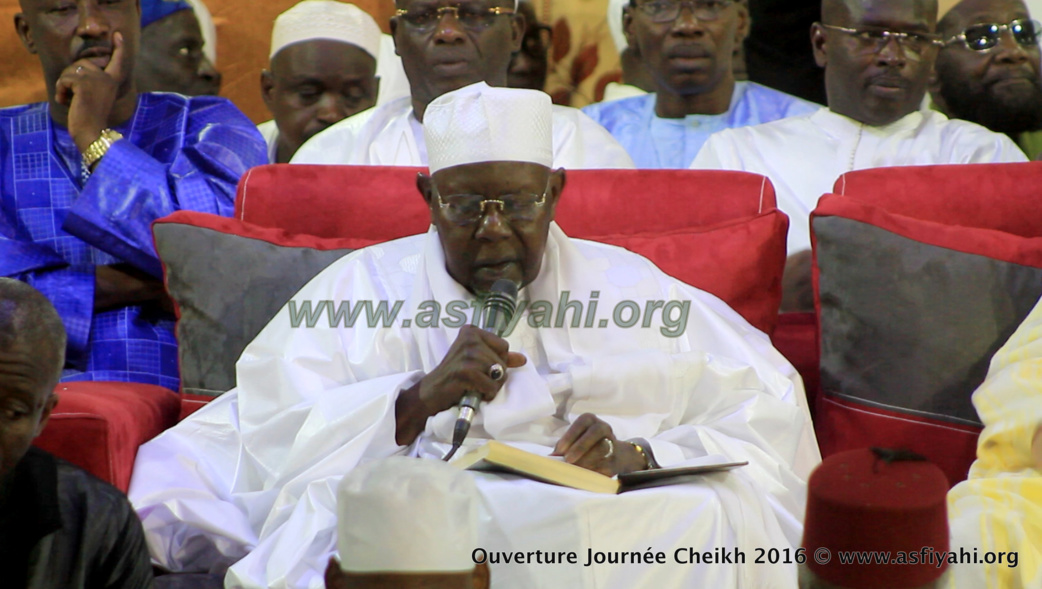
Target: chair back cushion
(716,230)
(918,282)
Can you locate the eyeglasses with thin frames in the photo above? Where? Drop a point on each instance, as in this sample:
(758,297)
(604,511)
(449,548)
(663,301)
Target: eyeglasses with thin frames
(874,40)
(468,209)
(473,17)
(663,11)
(985,37)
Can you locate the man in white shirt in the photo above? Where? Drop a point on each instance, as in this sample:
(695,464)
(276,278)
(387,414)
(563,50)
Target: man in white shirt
(877,55)
(323,70)
(444,49)
(254,482)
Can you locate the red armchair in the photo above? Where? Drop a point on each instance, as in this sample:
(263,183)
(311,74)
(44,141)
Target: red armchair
(719,231)
(98,426)
(921,273)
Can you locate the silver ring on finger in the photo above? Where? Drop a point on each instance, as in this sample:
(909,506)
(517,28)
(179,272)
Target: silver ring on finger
(79,69)
(611,448)
(496,372)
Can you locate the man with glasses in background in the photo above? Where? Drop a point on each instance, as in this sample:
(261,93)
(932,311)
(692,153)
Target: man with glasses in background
(878,56)
(446,45)
(988,69)
(528,66)
(688,47)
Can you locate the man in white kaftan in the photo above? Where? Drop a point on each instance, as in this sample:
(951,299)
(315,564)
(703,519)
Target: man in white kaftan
(875,84)
(441,54)
(250,480)
(803,156)
(391,135)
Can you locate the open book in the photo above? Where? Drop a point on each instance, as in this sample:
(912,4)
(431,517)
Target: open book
(496,456)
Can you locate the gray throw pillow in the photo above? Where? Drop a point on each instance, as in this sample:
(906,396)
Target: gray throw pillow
(227,286)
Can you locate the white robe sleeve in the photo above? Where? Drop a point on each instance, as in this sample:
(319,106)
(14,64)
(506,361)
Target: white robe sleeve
(580,143)
(719,153)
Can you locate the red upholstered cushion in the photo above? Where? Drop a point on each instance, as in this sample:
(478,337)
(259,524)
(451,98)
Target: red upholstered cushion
(717,230)
(98,426)
(992,196)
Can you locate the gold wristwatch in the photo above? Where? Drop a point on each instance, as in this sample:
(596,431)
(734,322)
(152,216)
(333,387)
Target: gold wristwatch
(100,146)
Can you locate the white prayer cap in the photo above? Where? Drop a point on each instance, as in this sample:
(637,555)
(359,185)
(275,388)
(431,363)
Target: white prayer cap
(615,24)
(407,515)
(479,123)
(326,19)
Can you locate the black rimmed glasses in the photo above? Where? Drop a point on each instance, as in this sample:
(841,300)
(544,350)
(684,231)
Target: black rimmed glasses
(984,37)
(663,11)
(473,17)
(872,40)
(467,209)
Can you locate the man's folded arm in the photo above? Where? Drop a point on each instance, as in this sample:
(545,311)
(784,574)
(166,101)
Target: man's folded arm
(69,288)
(129,189)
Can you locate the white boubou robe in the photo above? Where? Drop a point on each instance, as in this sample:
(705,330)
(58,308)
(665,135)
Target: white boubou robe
(250,480)
(804,156)
(390,135)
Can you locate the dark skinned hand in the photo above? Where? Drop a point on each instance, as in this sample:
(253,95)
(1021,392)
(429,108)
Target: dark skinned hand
(120,285)
(463,370)
(90,93)
(584,445)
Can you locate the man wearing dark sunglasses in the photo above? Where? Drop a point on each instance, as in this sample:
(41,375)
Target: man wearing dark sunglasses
(878,57)
(446,45)
(988,69)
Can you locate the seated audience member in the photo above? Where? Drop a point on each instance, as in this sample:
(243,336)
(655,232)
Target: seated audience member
(407,523)
(528,66)
(254,484)
(689,49)
(636,80)
(171,57)
(59,526)
(88,171)
(878,56)
(998,509)
(988,70)
(323,70)
(444,48)
(877,502)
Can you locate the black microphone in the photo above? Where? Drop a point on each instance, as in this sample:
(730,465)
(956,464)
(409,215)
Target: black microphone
(497,310)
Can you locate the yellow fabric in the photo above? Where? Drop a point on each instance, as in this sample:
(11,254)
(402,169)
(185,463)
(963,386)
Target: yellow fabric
(1000,507)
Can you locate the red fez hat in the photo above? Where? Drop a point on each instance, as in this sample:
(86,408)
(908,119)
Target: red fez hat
(877,500)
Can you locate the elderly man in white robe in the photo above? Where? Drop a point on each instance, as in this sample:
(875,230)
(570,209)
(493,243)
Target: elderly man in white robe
(249,482)
(440,53)
(878,56)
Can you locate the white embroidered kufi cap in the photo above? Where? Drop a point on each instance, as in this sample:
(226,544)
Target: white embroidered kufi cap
(479,123)
(407,515)
(615,24)
(326,19)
